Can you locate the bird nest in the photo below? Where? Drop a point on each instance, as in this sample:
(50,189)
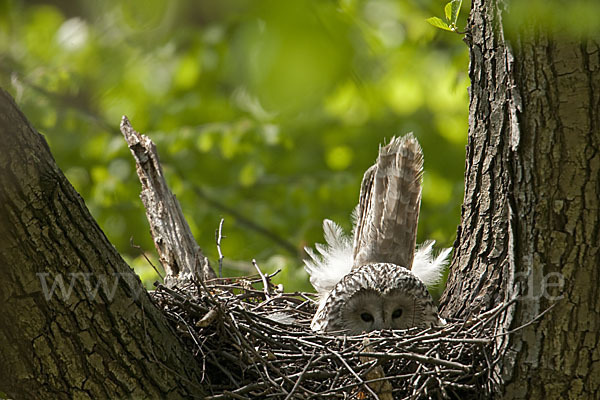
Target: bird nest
(257,343)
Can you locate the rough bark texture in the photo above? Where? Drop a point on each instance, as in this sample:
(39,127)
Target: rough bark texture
(530,220)
(179,253)
(481,261)
(97,336)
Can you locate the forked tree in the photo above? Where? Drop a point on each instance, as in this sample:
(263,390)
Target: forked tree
(529,232)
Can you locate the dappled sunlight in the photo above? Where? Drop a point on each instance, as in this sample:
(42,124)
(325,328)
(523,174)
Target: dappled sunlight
(269,109)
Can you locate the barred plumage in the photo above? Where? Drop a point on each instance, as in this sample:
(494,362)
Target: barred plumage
(376,280)
(376,296)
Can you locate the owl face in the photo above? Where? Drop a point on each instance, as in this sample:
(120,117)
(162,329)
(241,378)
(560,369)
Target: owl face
(376,296)
(369,310)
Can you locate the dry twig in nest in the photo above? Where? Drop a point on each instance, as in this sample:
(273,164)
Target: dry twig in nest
(257,343)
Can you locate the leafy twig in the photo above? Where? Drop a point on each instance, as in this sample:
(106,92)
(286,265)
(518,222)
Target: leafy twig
(451,11)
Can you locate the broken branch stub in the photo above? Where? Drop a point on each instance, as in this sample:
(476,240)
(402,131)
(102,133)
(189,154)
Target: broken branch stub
(177,249)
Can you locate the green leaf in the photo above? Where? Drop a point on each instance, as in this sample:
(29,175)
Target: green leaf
(455,6)
(448,11)
(438,23)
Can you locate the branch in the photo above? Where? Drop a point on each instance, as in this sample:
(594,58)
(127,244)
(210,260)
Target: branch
(178,251)
(219,236)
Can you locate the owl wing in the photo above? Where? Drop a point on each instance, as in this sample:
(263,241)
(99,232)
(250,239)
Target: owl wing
(388,210)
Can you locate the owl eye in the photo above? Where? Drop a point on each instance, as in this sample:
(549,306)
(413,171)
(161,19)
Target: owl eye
(397,313)
(366,317)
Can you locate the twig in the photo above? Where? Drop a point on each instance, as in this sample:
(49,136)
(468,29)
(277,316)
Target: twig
(249,354)
(491,315)
(219,236)
(143,253)
(208,318)
(518,328)
(308,364)
(265,280)
(349,368)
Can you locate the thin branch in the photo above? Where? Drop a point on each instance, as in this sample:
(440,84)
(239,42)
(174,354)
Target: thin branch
(349,368)
(297,384)
(219,236)
(265,280)
(532,321)
(420,358)
(143,253)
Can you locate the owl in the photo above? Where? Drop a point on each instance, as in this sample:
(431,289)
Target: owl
(375,279)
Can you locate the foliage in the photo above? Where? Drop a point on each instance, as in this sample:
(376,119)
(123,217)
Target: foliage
(451,11)
(265,112)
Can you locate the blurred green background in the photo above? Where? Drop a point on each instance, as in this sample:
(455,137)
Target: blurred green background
(265,112)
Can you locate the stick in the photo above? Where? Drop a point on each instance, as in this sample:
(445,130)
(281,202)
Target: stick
(265,280)
(289,396)
(349,368)
(143,253)
(219,236)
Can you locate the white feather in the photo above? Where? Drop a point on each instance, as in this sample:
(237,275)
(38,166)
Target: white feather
(332,261)
(427,268)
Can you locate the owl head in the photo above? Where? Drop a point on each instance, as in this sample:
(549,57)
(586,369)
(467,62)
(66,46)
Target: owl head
(373,297)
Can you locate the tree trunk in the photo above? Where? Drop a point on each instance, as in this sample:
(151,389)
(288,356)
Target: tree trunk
(529,225)
(75,321)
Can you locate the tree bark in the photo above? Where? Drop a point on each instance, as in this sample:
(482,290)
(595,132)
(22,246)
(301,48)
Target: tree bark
(529,224)
(75,321)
